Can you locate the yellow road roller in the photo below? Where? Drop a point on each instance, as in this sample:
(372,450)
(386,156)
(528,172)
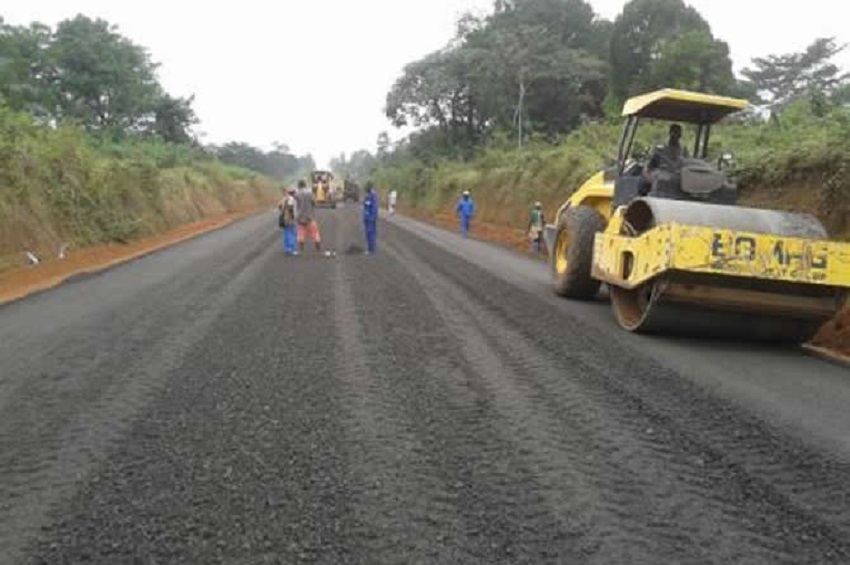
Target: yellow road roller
(323,188)
(664,233)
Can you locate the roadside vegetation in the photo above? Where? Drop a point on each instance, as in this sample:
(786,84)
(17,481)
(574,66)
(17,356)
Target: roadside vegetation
(799,162)
(523,104)
(93,150)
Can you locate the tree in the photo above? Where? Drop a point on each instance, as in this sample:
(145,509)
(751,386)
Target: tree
(435,91)
(694,61)
(540,63)
(86,72)
(781,79)
(639,37)
(106,82)
(173,117)
(841,95)
(545,72)
(27,78)
(530,64)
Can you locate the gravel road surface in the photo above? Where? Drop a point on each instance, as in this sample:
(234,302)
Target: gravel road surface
(217,402)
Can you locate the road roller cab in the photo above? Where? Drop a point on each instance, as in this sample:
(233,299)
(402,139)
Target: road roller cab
(690,176)
(676,253)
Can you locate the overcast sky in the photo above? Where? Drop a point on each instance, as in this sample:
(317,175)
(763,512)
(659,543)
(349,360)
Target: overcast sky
(314,73)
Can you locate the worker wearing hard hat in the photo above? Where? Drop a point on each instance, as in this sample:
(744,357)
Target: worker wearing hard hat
(536,221)
(465,210)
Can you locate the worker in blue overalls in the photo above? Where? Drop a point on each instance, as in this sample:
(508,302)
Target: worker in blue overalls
(370,217)
(465,210)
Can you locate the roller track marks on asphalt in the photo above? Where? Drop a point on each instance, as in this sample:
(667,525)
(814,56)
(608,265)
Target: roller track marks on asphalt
(699,457)
(238,459)
(58,420)
(502,515)
(596,474)
(399,508)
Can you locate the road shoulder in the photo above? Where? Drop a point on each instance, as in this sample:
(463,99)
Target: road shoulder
(23,282)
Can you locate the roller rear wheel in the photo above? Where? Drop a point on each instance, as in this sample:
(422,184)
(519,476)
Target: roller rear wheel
(572,257)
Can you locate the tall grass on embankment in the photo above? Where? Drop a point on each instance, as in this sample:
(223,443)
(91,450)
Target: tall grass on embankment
(60,186)
(800,162)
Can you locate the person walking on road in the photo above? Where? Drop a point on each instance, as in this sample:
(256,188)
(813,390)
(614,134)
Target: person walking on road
(465,210)
(288,211)
(536,221)
(370,217)
(305,215)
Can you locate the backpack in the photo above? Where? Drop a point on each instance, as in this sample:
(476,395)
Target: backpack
(287,214)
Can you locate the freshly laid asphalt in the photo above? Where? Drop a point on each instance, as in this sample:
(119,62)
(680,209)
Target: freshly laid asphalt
(217,402)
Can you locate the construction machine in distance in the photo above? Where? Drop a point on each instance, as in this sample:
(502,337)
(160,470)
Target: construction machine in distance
(323,189)
(677,254)
(350,191)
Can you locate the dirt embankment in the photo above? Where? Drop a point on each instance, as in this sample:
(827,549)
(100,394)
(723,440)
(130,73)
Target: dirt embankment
(19,282)
(489,231)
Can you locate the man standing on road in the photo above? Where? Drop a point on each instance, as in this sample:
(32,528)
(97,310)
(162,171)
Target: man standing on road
(306,216)
(288,213)
(535,227)
(465,210)
(370,217)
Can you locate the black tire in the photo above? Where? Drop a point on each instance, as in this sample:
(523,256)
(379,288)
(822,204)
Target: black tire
(571,260)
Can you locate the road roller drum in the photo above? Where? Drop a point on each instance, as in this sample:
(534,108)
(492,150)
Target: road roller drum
(690,268)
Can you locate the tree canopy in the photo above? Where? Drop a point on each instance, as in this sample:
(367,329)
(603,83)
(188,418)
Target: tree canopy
(541,68)
(531,64)
(86,72)
(780,79)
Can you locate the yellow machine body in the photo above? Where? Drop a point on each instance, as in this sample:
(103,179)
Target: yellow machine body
(628,261)
(596,192)
(322,188)
(694,268)
(671,277)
